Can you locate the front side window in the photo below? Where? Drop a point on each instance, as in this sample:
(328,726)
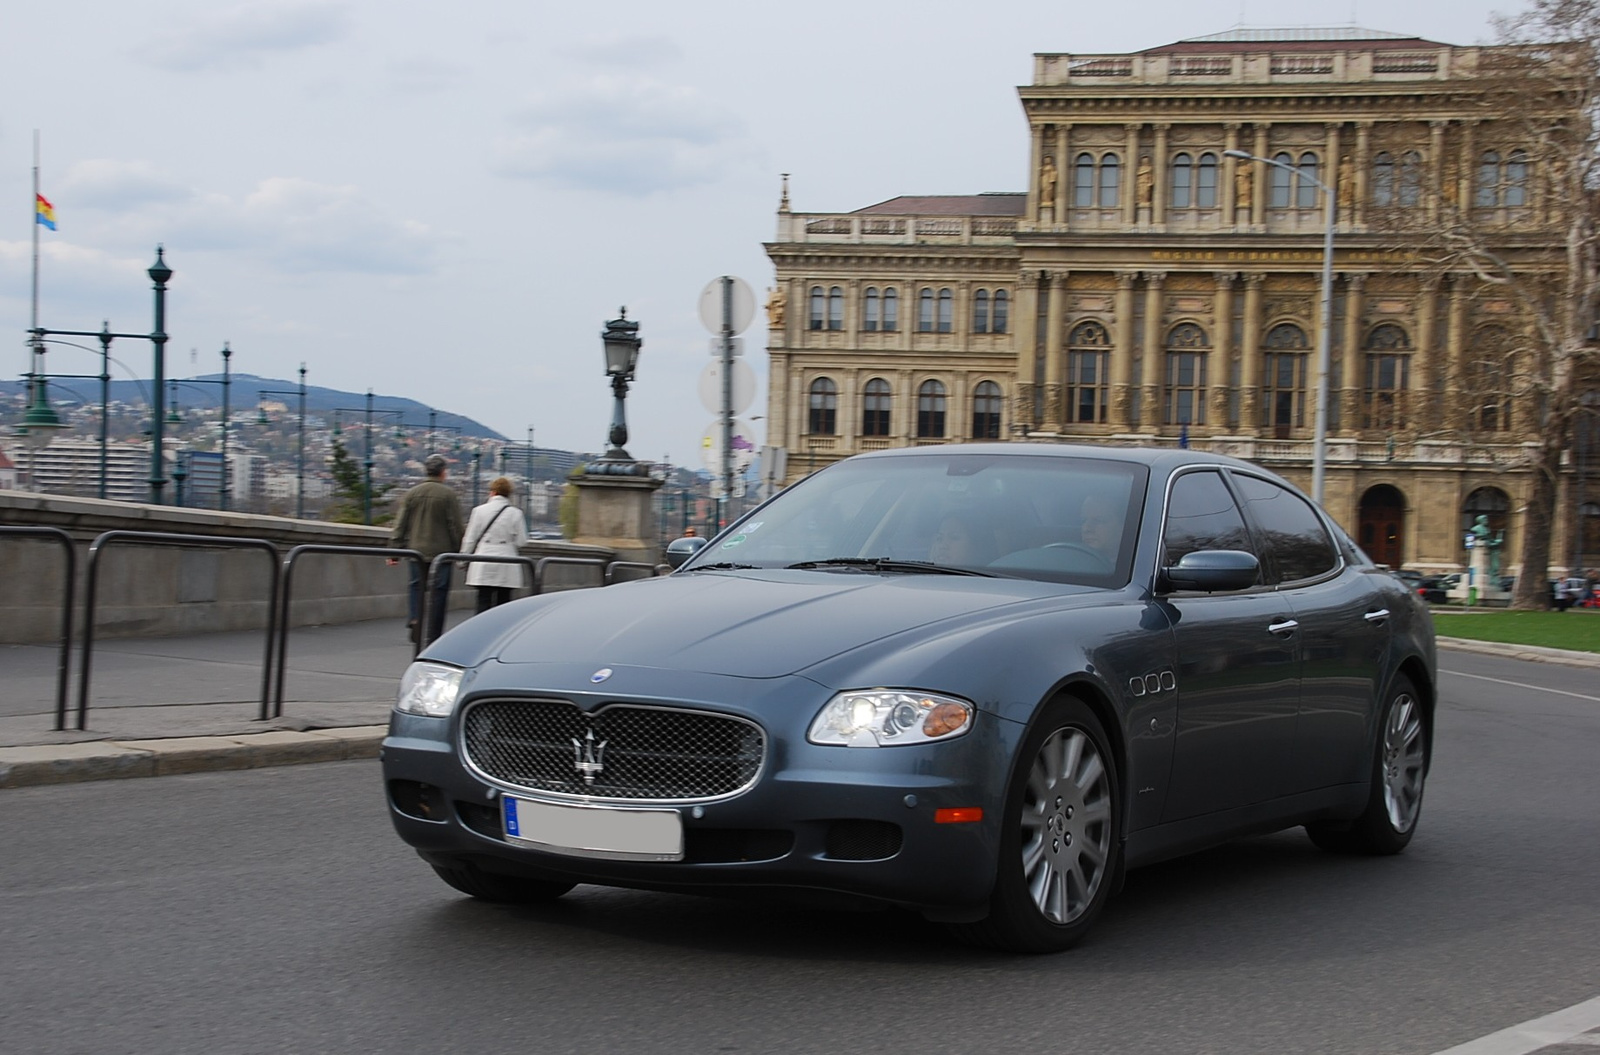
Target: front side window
(1205,186)
(891,311)
(1083,186)
(1201,515)
(1280,182)
(824,409)
(1388,376)
(1182,187)
(1283,405)
(1306,192)
(1002,312)
(947,301)
(1291,532)
(818,307)
(925,311)
(835,308)
(930,410)
(1088,360)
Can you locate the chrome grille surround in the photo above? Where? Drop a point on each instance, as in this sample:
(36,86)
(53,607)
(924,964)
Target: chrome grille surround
(653,753)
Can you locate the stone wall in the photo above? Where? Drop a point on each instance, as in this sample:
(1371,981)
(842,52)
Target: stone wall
(145,590)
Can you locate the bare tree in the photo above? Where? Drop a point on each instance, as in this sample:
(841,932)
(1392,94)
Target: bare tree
(1509,218)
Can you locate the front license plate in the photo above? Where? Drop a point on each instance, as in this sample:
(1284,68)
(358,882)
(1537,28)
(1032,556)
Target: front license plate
(594,831)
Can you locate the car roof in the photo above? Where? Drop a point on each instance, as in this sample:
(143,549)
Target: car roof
(1164,458)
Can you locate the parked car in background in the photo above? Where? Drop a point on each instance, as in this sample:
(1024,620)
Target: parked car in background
(976,681)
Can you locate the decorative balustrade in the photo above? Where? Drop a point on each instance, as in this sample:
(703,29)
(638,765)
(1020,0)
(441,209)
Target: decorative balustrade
(855,228)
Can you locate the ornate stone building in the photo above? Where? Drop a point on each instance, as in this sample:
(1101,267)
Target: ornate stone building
(1150,288)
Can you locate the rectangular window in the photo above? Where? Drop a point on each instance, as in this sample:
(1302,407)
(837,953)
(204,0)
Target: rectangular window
(1088,393)
(1388,376)
(1283,406)
(1186,388)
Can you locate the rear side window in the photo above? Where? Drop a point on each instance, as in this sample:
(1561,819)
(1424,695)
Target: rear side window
(1291,531)
(1201,514)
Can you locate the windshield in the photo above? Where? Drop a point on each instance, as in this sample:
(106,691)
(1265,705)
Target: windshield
(1057,519)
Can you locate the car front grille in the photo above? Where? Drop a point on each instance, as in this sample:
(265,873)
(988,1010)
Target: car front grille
(621,751)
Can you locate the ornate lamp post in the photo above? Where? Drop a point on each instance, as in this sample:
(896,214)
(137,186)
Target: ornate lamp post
(39,424)
(1319,442)
(621,342)
(300,459)
(160,274)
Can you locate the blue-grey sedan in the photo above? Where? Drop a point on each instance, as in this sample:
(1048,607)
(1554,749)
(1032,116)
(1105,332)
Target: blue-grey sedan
(978,681)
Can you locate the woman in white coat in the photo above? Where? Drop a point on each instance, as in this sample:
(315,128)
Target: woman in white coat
(496,529)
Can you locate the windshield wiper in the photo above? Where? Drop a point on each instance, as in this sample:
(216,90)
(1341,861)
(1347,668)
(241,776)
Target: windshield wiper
(723,566)
(888,564)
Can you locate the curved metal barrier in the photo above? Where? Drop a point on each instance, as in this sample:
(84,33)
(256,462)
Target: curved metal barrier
(423,622)
(632,571)
(64,657)
(282,589)
(165,538)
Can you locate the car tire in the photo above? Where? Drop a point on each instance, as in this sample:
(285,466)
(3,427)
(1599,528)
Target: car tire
(1060,839)
(505,890)
(1399,772)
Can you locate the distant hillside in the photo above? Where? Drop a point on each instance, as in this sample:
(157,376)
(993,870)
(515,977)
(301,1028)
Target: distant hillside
(244,393)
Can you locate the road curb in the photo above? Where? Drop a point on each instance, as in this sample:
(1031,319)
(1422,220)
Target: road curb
(1531,653)
(22,767)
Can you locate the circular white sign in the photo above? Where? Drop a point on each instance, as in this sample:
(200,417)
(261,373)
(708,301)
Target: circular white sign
(741,310)
(744,446)
(744,386)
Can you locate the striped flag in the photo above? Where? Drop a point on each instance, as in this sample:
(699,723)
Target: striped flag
(44,212)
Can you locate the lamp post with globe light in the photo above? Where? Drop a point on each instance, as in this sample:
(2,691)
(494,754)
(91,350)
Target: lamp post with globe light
(1319,440)
(621,342)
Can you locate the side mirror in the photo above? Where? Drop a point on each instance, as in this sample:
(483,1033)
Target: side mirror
(681,549)
(1212,570)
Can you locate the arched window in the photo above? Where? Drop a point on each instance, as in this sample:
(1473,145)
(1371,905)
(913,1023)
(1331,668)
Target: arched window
(1383,180)
(1283,402)
(1280,181)
(986,411)
(818,306)
(980,311)
(891,310)
(1110,181)
(875,402)
(947,301)
(871,316)
(1002,312)
(1186,375)
(1182,181)
(1088,364)
(1388,351)
(1205,185)
(823,417)
(930,410)
(925,311)
(1083,182)
(1306,193)
(1488,194)
(835,308)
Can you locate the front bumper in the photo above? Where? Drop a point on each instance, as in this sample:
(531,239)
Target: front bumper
(833,824)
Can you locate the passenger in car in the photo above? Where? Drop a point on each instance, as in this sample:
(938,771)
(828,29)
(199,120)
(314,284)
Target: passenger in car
(1101,527)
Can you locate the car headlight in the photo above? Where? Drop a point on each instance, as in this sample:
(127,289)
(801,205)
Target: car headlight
(887,717)
(429,689)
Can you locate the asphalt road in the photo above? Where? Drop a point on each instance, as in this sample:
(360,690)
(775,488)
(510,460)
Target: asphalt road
(275,911)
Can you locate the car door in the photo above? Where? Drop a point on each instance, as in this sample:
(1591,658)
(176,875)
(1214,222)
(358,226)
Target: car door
(1237,660)
(1344,636)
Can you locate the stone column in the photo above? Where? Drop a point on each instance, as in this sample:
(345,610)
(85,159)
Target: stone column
(1427,355)
(1130,168)
(1353,382)
(1122,351)
(1455,350)
(1026,327)
(1222,345)
(1330,172)
(1063,173)
(1363,170)
(1250,356)
(1163,189)
(1055,322)
(1433,165)
(1467,177)
(1258,185)
(1150,411)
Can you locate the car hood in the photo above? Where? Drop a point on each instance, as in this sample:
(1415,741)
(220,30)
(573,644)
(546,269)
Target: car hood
(749,624)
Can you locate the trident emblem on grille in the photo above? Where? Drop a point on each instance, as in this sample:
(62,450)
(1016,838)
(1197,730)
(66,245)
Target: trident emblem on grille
(588,756)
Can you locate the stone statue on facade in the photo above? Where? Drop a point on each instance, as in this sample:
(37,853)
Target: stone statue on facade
(1347,185)
(1144,182)
(776,302)
(1048,177)
(1243,184)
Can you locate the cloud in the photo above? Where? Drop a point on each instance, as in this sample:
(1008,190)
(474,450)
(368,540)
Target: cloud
(623,134)
(630,50)
(247,34)
(107,184)
(423,74)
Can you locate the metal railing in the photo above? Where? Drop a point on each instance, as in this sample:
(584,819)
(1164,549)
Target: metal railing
(424,610)
(164,538)
(64,644)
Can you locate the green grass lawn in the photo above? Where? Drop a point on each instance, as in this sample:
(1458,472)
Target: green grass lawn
(1578,629)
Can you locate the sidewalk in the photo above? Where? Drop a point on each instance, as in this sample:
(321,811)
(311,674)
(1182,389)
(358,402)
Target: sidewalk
(160,706)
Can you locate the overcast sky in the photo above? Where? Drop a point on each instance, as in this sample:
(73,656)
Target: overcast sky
(446,201)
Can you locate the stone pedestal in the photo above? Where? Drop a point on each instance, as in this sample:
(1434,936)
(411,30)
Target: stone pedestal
(618,512)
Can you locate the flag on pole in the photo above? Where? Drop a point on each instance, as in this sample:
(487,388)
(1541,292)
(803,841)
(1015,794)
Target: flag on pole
(1183,437)
(44,212)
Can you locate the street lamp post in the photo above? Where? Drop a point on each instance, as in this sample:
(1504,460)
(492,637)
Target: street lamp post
(621,342)
(160,274)
(527,480)
(300,459)
(366,462)
(1319,435)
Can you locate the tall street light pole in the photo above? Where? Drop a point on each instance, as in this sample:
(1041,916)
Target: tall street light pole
(300,460)
(1319,440)
(160,274)
(227,356)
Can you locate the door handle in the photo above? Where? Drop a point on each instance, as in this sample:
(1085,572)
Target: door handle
(1284,628)
(1377,618)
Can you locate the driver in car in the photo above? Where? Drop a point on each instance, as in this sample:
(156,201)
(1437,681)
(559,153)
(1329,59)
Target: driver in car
(1101,529)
